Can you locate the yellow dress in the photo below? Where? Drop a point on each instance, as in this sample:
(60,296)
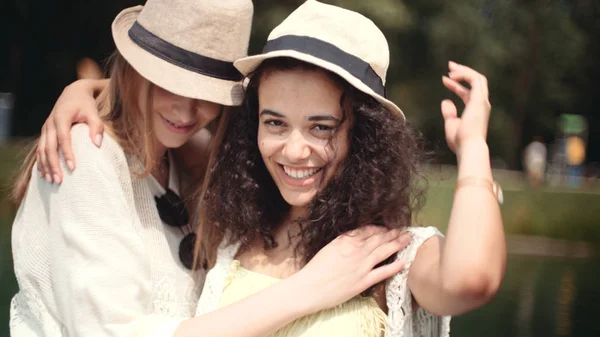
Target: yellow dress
(360,316)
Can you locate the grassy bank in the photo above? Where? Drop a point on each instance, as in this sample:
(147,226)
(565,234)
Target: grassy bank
(558,213)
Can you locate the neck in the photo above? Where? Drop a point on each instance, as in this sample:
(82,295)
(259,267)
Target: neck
(159,151)
(297,212)
(289,228)
(160,171)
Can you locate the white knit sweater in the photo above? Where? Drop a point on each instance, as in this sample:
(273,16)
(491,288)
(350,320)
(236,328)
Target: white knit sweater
(92,257)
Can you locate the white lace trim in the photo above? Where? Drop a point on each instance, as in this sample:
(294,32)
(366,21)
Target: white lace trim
(403,321)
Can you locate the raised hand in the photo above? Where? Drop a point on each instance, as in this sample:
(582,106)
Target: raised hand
(473,122)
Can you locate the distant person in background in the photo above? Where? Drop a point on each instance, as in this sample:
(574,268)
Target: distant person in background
(534,161)
(575,155)
(88,69)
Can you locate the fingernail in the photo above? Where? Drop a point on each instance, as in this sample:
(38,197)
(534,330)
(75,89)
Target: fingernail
(451,63)
(55,176)
(48,178)
(98,140)
(70,165)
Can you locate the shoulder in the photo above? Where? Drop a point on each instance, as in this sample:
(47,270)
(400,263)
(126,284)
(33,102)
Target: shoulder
(421,234)
(88,155)
(96,168)
(420,237)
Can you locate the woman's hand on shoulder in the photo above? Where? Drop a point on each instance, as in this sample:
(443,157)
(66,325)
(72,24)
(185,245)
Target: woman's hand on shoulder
(346,266)
(76,104)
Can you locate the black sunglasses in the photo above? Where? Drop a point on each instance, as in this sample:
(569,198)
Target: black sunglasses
(172,211)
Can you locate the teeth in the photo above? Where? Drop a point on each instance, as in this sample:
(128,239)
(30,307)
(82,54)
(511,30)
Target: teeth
(300,174)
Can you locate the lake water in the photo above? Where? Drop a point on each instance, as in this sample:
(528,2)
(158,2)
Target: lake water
(540,297)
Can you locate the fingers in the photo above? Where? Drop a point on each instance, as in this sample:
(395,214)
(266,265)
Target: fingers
(456,88)
(449,110)
(89,115)
(48,144)
(477,81)
(42,163)
(382,237)
(52,157)
(388,248)
(365,232)
(96,128)
(383,273)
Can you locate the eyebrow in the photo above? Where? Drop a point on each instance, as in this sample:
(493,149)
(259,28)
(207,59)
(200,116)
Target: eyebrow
(321,118)
(272,113)
(315,118)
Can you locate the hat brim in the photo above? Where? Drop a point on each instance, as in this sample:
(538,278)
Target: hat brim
(168,76)
(248,64)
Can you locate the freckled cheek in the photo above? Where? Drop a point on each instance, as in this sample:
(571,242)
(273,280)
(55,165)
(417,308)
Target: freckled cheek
(268,147)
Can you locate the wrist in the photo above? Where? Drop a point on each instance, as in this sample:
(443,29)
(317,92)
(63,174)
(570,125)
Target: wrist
(300,296)
(473,159)
(472,145)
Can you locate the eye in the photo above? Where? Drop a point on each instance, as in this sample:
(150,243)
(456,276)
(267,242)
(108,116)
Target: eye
(324,128)
(274,122)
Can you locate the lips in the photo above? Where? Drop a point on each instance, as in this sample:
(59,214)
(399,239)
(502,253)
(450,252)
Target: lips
(299,176)
(300,173)
(179,127)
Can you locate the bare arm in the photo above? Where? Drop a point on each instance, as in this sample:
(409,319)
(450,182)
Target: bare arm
(464,271)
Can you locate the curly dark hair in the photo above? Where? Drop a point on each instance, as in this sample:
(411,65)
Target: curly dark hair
(375,184)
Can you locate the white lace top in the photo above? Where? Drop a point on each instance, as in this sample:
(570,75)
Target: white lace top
(404,320)
(92,257)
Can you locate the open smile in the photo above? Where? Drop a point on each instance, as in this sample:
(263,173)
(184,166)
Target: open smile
(299,176)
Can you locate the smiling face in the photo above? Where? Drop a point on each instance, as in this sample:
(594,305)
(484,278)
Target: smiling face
(301,136)
(177,118)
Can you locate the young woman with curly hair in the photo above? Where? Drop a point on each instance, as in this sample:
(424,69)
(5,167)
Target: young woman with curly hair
(317,151)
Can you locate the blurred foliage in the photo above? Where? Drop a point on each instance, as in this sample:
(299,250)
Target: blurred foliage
(538,55)
(526,48)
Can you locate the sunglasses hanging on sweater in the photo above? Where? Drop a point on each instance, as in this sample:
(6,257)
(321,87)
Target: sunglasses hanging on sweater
(172,211)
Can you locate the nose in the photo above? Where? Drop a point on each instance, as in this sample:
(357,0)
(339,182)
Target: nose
(184,107)
(296,148)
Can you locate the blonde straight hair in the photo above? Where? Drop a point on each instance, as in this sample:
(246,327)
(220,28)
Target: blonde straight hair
(130,124)
(125,110)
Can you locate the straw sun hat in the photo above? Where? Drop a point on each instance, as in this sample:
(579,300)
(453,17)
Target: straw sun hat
(188,46)
(339,40)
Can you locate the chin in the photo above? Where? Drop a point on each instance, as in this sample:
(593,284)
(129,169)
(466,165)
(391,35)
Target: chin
(298,199)
(171,143)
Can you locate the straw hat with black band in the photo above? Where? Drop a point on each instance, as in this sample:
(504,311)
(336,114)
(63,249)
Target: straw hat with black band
(339,40)
(188,46)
